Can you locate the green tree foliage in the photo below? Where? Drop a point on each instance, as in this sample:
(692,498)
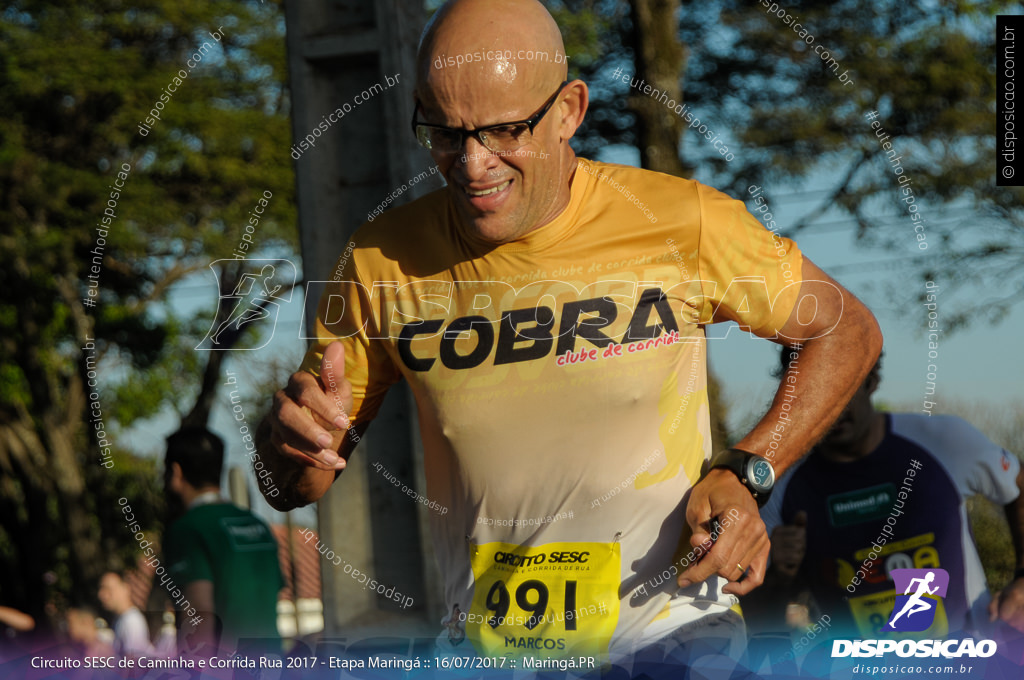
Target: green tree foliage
(927,68)
(76,79)
(598,35)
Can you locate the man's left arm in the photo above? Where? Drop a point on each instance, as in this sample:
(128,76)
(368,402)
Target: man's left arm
(840,342)
(1008,604)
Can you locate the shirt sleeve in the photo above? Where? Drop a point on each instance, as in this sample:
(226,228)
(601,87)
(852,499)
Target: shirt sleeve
(992,470)
(748,274)
(974,463)
(345,313)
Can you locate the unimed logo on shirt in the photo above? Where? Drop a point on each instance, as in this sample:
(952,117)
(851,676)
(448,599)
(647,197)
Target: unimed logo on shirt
(861,505)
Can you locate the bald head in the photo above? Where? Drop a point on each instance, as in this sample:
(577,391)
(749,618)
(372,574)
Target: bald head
(488,63)
(491,43)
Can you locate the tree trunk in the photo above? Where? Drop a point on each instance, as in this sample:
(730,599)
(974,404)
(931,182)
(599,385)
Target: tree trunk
(660,60)
(44,487)
(50,477)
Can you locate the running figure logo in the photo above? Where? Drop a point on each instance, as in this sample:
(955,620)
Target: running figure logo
(262,285)
(914,610)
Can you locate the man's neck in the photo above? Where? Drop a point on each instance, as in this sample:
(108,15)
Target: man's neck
(200,496)
(861,448)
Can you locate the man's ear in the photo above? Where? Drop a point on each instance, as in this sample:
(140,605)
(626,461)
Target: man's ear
(176,477)
(573,107)
(873,380)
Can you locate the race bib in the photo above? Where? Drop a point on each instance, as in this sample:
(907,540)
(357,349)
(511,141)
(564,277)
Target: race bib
(552,600)
(871,612)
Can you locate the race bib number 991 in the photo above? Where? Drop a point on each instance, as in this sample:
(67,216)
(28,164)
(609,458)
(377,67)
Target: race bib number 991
(552,600)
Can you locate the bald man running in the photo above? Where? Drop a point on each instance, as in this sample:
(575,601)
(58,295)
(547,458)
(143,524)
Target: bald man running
(547,312)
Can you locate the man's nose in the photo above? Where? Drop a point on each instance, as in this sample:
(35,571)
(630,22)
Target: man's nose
(476,159)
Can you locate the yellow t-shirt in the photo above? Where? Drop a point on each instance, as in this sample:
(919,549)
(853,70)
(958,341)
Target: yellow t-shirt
(561,393)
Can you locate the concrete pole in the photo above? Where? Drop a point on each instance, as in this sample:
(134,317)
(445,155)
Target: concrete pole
(336,51)
(238,487)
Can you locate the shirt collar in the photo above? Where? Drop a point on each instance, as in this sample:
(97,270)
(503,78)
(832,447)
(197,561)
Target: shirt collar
(207,498)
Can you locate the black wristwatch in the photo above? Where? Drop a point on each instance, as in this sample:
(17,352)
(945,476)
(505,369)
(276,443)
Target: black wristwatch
(755,472)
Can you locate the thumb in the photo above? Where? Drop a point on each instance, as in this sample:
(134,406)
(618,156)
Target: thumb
(332,365)
(332,375)
(800,519)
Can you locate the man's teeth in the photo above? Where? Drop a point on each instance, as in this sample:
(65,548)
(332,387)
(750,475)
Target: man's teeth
(488,191)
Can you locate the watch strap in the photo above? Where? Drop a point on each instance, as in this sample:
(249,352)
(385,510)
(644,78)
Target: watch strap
(736,460)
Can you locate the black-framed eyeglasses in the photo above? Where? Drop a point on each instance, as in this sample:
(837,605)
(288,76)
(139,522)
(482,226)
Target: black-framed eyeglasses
(499,138)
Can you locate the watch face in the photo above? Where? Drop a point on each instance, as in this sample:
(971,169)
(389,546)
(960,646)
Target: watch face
(761,475)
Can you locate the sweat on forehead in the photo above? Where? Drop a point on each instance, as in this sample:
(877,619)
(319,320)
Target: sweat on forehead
(480,43)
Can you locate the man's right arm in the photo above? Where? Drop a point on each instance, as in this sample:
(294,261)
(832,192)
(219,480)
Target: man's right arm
(305,441)
(199,633)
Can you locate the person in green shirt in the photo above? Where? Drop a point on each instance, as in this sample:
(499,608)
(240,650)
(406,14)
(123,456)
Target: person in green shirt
(224,558)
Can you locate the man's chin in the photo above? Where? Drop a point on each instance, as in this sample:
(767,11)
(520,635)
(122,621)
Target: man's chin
(491,228)
(842,438)
(496,227)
